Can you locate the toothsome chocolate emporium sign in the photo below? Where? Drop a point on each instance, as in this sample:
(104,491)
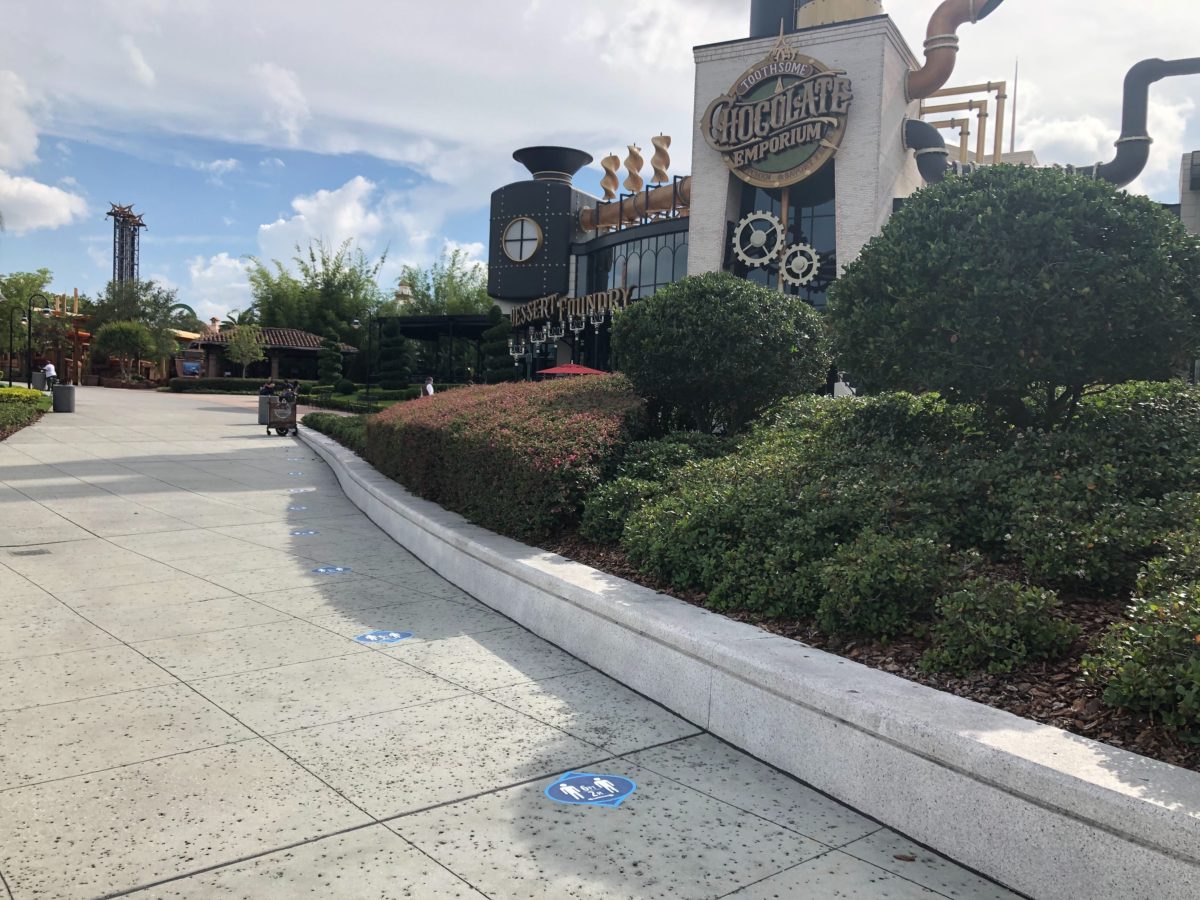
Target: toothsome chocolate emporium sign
(783,119)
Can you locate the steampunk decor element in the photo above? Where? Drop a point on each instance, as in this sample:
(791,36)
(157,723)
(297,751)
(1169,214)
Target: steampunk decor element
(801,265)
(634,163)
(758,239)
(610,182)
(782,120)
(661,162)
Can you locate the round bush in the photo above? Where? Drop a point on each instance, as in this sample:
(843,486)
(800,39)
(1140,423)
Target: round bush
(1022,288)
(713,351)
(996,626)
(345,386)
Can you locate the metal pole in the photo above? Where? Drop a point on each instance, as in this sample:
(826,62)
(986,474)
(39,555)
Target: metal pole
(11,328)
(370,335)
(29,338)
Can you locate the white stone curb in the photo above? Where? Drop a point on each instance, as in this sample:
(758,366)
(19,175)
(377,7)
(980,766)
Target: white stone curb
(1043,811)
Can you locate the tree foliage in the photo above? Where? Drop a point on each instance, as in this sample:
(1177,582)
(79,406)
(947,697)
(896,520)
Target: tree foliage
(150,303)
(325,291)
(454,285)
(396,357)
(1025,289)
(245,346)
(498,363)
(716,350)
(17,288)
(329,360)
(125,340)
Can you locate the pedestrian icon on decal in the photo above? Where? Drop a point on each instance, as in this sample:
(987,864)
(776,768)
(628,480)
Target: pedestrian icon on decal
(584,789)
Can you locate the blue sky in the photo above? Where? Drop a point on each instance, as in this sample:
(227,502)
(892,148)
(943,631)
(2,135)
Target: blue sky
(242,128)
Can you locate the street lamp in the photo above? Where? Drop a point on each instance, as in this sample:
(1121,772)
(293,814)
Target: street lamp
(29,349)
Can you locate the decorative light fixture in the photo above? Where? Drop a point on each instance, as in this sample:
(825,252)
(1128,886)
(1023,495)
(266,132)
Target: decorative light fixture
(577,324)
(557,331)
(598,318)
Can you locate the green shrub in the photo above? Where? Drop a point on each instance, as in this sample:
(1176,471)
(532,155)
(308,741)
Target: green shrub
(1021,288)
(656,460)
(349,431)
(20,395)
(345,387)
(996,626)
(881,585)
(1151,661)
(15,416)
(1177,565)
(518,458)
(225,385)
(609,505)
(714,350)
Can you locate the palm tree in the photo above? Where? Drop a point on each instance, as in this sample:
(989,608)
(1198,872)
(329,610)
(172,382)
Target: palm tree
(237,317)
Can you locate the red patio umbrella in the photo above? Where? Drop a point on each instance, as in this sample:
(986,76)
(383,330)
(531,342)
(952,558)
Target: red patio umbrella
(571,369)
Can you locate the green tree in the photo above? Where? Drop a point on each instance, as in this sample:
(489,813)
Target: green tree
(396,357)
(155,306)
(127,341)
(16,289)
(715,350)
(245,346)
(236,318)
(1022,288)
(454,285)
(325,291)
(329,360)
(498,363)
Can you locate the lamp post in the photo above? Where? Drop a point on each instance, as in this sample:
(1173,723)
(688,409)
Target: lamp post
(12,329)
(29,348)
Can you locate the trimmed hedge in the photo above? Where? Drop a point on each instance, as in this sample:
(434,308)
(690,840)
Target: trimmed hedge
(349,431)
(21,395)
(515,458)
(20,409)
(225,385)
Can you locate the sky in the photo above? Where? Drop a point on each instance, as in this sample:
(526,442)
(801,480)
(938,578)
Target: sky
(241,129)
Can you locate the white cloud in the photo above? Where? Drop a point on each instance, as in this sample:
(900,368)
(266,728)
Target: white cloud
(28,205)
(288,110)
(217,285)
(138,67)
(217,169)
(19,134)
(350,212)
(271,162)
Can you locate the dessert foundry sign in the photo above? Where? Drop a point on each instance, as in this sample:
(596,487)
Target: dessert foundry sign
(783,119)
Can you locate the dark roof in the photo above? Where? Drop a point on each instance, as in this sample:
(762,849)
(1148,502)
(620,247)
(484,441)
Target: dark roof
(430,328)
(278,339)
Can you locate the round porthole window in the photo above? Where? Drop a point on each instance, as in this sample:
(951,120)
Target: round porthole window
(522,239)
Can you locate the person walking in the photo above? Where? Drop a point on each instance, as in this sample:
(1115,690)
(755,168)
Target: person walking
(51,375)
(429,387)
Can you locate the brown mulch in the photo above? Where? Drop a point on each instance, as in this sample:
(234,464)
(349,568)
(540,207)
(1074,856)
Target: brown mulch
(1051,693)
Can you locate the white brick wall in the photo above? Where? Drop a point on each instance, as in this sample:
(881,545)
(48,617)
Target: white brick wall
(872,166)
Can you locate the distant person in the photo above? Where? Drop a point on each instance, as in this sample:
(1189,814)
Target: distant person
(51,374)
(428,387)
(267,390)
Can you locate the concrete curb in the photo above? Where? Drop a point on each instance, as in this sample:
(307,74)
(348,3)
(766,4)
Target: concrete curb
(1043,811)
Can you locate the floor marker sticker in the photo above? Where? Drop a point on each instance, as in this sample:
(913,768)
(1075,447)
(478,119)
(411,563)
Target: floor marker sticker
(384,637)
(586,789)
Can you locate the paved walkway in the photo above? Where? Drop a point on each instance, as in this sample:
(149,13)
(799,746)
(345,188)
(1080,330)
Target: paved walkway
(185,711)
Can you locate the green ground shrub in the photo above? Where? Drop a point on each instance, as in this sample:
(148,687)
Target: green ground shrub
(20,408)
(345,387)
(225,385)
(881,585)
(1150,662)
(349,431)
(996,626)
(515,458)
(20,395)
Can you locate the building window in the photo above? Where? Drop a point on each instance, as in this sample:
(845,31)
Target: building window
(643,265)
(522,239)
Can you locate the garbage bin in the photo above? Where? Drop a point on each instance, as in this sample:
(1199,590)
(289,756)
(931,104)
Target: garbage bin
(64,398)
(39,381)
(264,410)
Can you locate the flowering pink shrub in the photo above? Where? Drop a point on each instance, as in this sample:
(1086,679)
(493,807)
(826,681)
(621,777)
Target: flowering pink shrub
(515,458)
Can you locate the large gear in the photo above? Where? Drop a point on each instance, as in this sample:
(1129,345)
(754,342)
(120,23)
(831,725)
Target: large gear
(758,239)
(801,264)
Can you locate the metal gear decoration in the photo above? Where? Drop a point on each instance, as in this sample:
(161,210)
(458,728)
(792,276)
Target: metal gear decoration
(801,264)
(758,239)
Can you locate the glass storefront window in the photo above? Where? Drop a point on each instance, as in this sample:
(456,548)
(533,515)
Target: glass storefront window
(644,265)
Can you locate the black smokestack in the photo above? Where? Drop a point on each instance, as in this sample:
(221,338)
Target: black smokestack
(552,163)
(765,16)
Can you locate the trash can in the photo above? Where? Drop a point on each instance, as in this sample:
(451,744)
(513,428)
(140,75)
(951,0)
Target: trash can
(264,410)
(64,398)
(39,381)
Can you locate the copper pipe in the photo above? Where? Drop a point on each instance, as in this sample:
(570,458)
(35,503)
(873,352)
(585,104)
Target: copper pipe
(985,88)
(1001,101)
(941,45)
(638,206)
(964,134)
(981,139)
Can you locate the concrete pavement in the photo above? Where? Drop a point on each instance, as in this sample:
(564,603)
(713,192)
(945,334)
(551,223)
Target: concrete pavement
(185,710)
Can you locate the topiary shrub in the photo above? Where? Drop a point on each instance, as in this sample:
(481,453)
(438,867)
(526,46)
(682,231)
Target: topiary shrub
(882,585)
(349,431)
(1022,288)
(713,351)
(345,387)
(517,459)
(1151,661)
(996,626)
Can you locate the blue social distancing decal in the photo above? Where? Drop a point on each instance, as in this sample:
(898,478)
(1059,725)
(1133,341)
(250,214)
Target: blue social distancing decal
(295,474)
(384,637)
(585,789)
(297,509)
(331,570)
(304,533)
(302,491)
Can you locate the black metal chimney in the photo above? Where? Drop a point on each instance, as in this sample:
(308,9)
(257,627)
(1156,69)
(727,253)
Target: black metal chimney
(552,163)
(765,16)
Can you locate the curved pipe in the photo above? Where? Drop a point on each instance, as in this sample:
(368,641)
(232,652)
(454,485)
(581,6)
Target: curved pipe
(933,159)
(941,44)
(1133,146)
(638,206)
